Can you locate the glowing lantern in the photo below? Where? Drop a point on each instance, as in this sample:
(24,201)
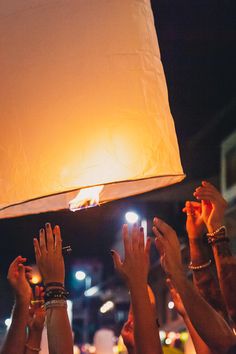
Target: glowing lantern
(83,103)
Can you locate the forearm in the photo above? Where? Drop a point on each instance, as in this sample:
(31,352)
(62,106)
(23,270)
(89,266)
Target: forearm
(146,335)
(226,270)
(218,334)
(205,279)
(200,346)
(33,342)
(59,331)
(16,335)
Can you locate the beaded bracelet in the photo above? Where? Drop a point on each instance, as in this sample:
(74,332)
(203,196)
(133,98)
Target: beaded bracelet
(55,303)
(199,267)
(218,232)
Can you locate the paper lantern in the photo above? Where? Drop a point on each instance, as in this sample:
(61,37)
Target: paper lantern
(83,103)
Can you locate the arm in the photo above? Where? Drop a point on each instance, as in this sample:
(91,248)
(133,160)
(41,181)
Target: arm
(48,252)
(200,346)
(17,277)
(127,334)
(134,270)
(35,322)
(218,334)
(225,262)
(205,278)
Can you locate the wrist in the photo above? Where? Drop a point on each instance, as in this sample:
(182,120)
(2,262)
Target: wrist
(35,336)
(214,226)
(22,301)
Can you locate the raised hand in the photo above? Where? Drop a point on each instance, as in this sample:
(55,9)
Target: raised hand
(179,306)
(135,266)
(195,225)
(127,333)
(37,311)
(48,253)
(168,245)
(18,276)
(215,205)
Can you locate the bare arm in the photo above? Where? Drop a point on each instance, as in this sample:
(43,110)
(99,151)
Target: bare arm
(218,334)
(204,273)
(225,262)
(15,339)
(36,320)
(200,346)
(134,270)
(48,252)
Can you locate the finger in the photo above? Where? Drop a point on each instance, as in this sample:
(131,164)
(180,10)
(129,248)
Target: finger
(21,270)
(58,240)
(42,242)
(28,268)
(162,227)
(116,259)
(159,241)
(28,276)
(126,240)
(141,239)
(49,237)
(169,283)
(148,245)
(135,237)
(36,249)
(190,212)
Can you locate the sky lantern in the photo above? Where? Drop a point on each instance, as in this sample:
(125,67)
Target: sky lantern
(83,105)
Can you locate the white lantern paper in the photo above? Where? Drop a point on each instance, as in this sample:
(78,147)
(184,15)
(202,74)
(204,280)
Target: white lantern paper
(83,102)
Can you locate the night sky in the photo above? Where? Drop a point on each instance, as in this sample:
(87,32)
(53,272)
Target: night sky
(197,41)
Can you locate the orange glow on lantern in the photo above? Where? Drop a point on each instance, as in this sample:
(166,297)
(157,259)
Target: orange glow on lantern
(86,198)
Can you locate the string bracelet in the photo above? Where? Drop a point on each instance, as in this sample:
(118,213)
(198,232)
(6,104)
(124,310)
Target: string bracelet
(200,266)
(32,348)
(55,303)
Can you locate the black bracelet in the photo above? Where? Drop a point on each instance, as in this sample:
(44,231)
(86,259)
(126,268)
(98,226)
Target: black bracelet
(56,284)
(55,294)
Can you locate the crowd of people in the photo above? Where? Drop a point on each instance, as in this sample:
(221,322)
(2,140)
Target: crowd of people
(207,305)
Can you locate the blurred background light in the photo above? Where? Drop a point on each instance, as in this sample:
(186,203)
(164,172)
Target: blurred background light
(131,217)
(80,275)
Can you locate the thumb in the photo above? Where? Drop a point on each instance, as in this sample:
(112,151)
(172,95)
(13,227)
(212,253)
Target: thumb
(116,259)
(21,270)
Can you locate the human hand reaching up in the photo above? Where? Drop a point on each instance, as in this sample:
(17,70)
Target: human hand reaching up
(135,267)
(127,334)
(179,306)
(215,205)
(37,311)
(48,253)
(195,225)
(168,246)
(18,277)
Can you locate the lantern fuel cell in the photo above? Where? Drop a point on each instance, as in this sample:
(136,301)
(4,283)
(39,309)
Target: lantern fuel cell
(84,102)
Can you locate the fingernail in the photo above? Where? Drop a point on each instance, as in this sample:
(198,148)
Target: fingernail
(141,229)
(47,224)
(41,230)
(112,252)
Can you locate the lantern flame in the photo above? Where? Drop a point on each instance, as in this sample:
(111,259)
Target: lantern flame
(86,198)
